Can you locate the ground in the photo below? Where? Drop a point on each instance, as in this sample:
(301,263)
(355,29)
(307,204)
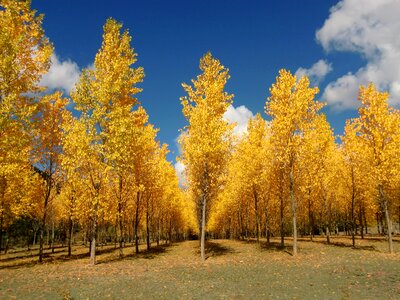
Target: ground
(233,270)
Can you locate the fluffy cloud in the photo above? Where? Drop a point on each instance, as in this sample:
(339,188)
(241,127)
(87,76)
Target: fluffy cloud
(62,75)
(180,172)
(370,28)
(316,73)
(239,115)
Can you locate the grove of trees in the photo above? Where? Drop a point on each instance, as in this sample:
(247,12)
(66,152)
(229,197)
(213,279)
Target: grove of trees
(89,164)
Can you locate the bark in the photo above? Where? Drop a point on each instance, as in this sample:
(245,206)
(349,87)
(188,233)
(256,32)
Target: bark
(293,203)
(147,225)
(268,233)
(120,223)
(93,237)
(327,233)
(388,221)
(281,221)
(43,224)
(361,222)
(353,196)
(203,229)
(1,232)
(256,211)
(137,223)
(52,236)
(365,221)
(377,223)
(310,218)
(70,233)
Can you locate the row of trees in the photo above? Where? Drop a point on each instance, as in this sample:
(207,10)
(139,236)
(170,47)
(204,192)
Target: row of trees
(288,174)
(101,164)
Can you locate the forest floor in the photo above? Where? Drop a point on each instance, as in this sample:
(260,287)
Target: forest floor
(232,270)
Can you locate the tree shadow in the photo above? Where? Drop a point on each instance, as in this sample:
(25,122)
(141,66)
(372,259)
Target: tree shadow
(152,253)
(275,247)
(345,245)
(30,255)
(214,249)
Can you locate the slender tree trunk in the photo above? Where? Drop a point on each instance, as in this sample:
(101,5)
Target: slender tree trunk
(70,233)
(147,225)
(158,232)
(360,215)
(388,221)
(257,218)
(93,243)
(353,196)
(281,221)
(327,233)
(52,236)
(310,222)
(43,224)
(120,223)
(1,231)
(203,229)
(377,223)
(268,233)
(365,221)
(293,203)
(137,222)
(94,234)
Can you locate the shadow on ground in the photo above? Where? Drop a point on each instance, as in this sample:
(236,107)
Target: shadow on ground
(341,244)
(275,246)
(214,249)
(21,261)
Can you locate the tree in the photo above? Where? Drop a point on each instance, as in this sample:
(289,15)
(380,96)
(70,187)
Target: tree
(25,57)
(47,149)
(206,143)
(379,133)
(292,108)
(108,87)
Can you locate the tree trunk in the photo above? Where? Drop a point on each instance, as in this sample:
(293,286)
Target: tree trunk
(268,233)
(203,229)
(1,232)
(70,233)
(147,225)
(43,224)
(361,222)
(137,222)
(327,233)
(310,220)
(52,236)
(388,221)
(94,234)
(281,221)
(256,211)
(353,196)
(293,203)
(365,221)
(377,223)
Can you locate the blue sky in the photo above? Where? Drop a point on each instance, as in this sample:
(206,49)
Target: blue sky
(254,39)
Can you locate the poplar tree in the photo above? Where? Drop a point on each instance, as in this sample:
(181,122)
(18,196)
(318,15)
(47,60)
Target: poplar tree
(110,86)
(206,142)
(292,108)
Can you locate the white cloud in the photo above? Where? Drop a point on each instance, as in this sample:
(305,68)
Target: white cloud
(316,73)
(239,115)
(62,75)
(370,28)
(180,172)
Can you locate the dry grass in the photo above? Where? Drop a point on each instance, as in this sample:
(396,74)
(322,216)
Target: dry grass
(233,269)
